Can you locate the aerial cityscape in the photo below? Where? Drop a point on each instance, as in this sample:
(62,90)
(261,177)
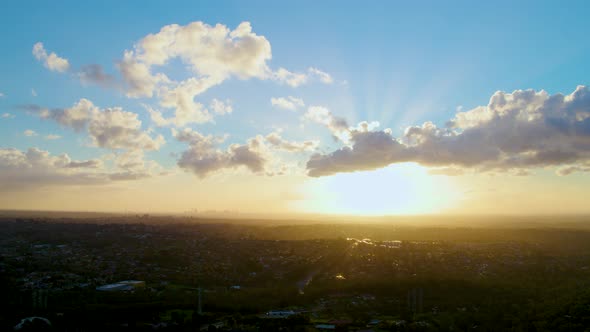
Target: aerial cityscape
(295,166)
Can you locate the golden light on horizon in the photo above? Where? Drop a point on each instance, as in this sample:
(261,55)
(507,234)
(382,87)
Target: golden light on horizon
(398,189)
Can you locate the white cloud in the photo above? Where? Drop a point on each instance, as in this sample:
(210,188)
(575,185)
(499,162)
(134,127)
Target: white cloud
(111,128)
(131,165)
(116,129)
(37,168)
(157,117)
(188,111)
(213,53)
(514,132)
(139,80)
(51,61)
(203,158)
(92,73)
(291,79)
(29,133)
(221,107)
(181,98)
(7,116)
(297,79)
(321,75)
(2,95)
(322,115)
(288,103)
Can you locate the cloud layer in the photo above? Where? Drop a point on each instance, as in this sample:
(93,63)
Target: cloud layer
(204,158)
(515,131)
(36,167)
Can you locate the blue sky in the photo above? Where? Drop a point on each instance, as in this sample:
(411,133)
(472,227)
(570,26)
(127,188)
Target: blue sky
(398,63)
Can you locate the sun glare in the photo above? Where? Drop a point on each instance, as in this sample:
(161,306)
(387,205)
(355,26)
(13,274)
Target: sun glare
(398,189)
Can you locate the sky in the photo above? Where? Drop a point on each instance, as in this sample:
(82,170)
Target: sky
(378,108)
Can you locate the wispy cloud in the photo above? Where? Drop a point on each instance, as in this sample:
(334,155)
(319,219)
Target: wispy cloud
(52,137)
(30,133)
(287,103)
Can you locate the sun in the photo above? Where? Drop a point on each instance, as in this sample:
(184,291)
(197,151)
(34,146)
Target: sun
(399,189)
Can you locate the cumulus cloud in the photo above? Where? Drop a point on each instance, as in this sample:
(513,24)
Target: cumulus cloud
(287,103)
(370,150)
(139,80)
(221,107)
(187,111)
(204,158)
(181,98)
(514,132)
(88,74)
(36,167)
(51,61)
(213,53)
(336,125)
(111,128)
(30,133)
(158,118)
(257,155)
(132,165)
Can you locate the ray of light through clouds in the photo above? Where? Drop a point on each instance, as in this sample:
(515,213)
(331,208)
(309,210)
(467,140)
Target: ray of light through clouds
(257,108)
